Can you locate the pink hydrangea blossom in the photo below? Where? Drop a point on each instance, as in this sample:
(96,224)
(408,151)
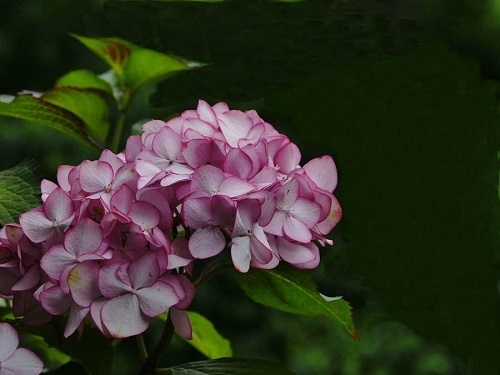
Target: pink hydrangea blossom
(116,240)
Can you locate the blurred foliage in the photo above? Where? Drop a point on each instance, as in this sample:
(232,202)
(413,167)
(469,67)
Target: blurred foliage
(412,125)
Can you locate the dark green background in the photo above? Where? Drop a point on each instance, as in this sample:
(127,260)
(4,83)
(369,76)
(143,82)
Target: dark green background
(402,94)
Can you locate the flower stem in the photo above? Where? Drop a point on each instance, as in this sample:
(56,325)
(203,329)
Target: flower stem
(143,353)
(151,364)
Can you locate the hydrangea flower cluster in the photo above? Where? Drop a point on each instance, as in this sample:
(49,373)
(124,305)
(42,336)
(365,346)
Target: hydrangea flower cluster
(116,238)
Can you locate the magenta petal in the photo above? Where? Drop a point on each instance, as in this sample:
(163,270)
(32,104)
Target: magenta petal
(157,298)
(122,316)
(240,253)
(22,362)
(9,340)
(83,283)
(36,226)
(206,242)
(296,230)
(144,271)
(238,163)
(84,238)
(181,323)
(288,158)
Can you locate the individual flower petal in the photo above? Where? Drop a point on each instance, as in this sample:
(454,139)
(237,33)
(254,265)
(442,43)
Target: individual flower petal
(240,253)
(9,340)
(22,362)
(181,323)
(157,298)
(122,316)
(206,242)
(323,172)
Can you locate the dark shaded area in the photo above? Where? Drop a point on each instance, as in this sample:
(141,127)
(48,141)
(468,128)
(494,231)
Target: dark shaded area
(396,91)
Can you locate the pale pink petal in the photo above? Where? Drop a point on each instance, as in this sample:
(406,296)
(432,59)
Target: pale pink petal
(260,252)
(234,125)
(95,176)
(196,212)
(275,226)
(95,313)
(157,199)
(264,178)
(22,362)
(206,242)
(46,188)
(75,318)
(306,211)
(198,152)
(56,260)
(110,284)
(144,271)
(112,159)
(167,144)
(323,172)
(126,175)
(207,179)
(54,300)
(36,226)
(294,253)
(157,298)
(247,213)
(133,148)
(9,340)
(206,112)
(296,230)
(235,187)
(313,263)
(84,238)
(63,176)
(181,323)
(333,218)
(58,206)
(240,253)
(122,316)
(83,282)
(238,163)
(144,214)
(287,194)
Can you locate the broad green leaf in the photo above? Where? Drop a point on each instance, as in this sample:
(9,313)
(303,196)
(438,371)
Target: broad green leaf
(83,79)
(37,110)
(87,105)
(145,65)
(18,193)
(52,357)
(229,366)
(115,52)
(294,292)
(206,339)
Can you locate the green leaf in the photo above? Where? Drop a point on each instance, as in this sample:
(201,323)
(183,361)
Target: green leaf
(294,292)
(18,193)
(83,79)
(145,65)
(115,52)
(206,339)
(87,105)
(52,357)
(229,366)
(37,110)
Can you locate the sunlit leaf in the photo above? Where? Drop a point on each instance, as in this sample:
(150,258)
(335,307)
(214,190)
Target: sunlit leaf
(115,52)
(294,292)
(87,105)
(145,65)
(229,366)
(83,79)
(18,192)
(206,339)
(41,112)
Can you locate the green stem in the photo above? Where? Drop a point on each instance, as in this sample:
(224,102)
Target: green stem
(143,353)
(151,364)
(118,130)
